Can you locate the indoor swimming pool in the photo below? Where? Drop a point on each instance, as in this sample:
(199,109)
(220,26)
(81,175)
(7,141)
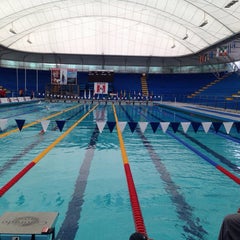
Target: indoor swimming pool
(186,178)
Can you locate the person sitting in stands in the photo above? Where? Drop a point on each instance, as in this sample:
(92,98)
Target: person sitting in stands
(230,229)
(139,236)
(2,92)
(20,93)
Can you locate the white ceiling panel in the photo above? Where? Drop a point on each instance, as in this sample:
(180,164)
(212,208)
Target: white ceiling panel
(117,27)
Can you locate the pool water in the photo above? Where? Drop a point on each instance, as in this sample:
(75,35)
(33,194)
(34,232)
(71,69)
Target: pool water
(181,195)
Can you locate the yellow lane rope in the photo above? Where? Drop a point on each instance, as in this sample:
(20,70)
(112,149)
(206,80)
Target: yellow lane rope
(38,121)
(20,174)
(136,209)
(121,142)
(53,144)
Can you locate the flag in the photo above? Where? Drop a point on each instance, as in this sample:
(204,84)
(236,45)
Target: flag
(100,88)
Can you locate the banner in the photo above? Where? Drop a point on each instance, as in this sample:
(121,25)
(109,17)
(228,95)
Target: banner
(72,76)
(63,76)
(64,73)
(100,88)
(55,76)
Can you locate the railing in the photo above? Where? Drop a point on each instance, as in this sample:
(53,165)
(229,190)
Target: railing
(62,90)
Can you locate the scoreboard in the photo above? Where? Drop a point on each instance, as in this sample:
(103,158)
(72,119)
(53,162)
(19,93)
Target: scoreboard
(100,76)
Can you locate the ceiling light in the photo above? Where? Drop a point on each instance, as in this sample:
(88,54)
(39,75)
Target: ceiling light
(231,3)
(186,37)
(204,23)
(11,30)
(28,40)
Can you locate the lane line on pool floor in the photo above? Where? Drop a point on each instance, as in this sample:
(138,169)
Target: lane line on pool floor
(136,210)
(224,160)
(221,158)
(17,107)
(18,156)
(184,210)
(206,158)
(219,133)
(5,134)
(20,174)
(203,156)
(69,227)
(27,112)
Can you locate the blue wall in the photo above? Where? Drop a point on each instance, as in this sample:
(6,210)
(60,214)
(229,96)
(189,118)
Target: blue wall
(14,80)
(169,86)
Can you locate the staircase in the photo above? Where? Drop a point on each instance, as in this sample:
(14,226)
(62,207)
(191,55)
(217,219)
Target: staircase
(234,96)
(144,85)
(202,89)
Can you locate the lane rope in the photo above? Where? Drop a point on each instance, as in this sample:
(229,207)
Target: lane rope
(203,156)
(38,121)
(136,210)
(26,150)
(19,175)
(206,158)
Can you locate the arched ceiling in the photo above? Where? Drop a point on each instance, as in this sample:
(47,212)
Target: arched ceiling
(158,28)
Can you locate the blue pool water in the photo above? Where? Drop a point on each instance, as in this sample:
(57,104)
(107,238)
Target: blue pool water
(181,195)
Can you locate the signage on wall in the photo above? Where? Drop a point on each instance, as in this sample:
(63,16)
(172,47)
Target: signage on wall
(63,76)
